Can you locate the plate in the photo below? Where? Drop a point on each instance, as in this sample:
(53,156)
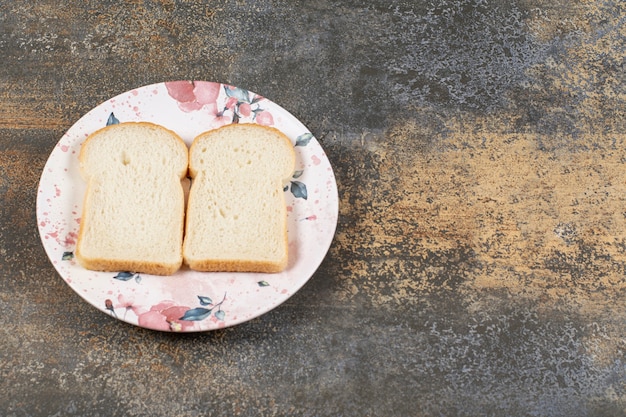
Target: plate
(189,301)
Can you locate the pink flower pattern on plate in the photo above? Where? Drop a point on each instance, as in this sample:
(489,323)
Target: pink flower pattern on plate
(168,315)
(194,95)
(240,103)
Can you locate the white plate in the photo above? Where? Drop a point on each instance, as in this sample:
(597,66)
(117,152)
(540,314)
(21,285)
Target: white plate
(189,301)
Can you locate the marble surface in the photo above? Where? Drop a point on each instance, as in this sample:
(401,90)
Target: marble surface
(479,264)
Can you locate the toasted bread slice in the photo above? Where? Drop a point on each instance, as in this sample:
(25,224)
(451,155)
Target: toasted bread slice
(134,204)
(236,213)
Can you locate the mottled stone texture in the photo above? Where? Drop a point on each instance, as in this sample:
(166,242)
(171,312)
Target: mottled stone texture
(479,266)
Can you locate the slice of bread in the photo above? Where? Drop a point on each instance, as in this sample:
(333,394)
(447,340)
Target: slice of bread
(236,213)
(134,204)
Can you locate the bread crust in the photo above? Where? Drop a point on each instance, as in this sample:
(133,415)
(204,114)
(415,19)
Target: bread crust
(83,148)
(112,265)
(236,265)
(193,171)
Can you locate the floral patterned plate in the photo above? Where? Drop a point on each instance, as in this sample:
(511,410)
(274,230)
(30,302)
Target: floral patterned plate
(189,301)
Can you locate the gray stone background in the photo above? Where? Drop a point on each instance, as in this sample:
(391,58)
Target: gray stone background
(479,263)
